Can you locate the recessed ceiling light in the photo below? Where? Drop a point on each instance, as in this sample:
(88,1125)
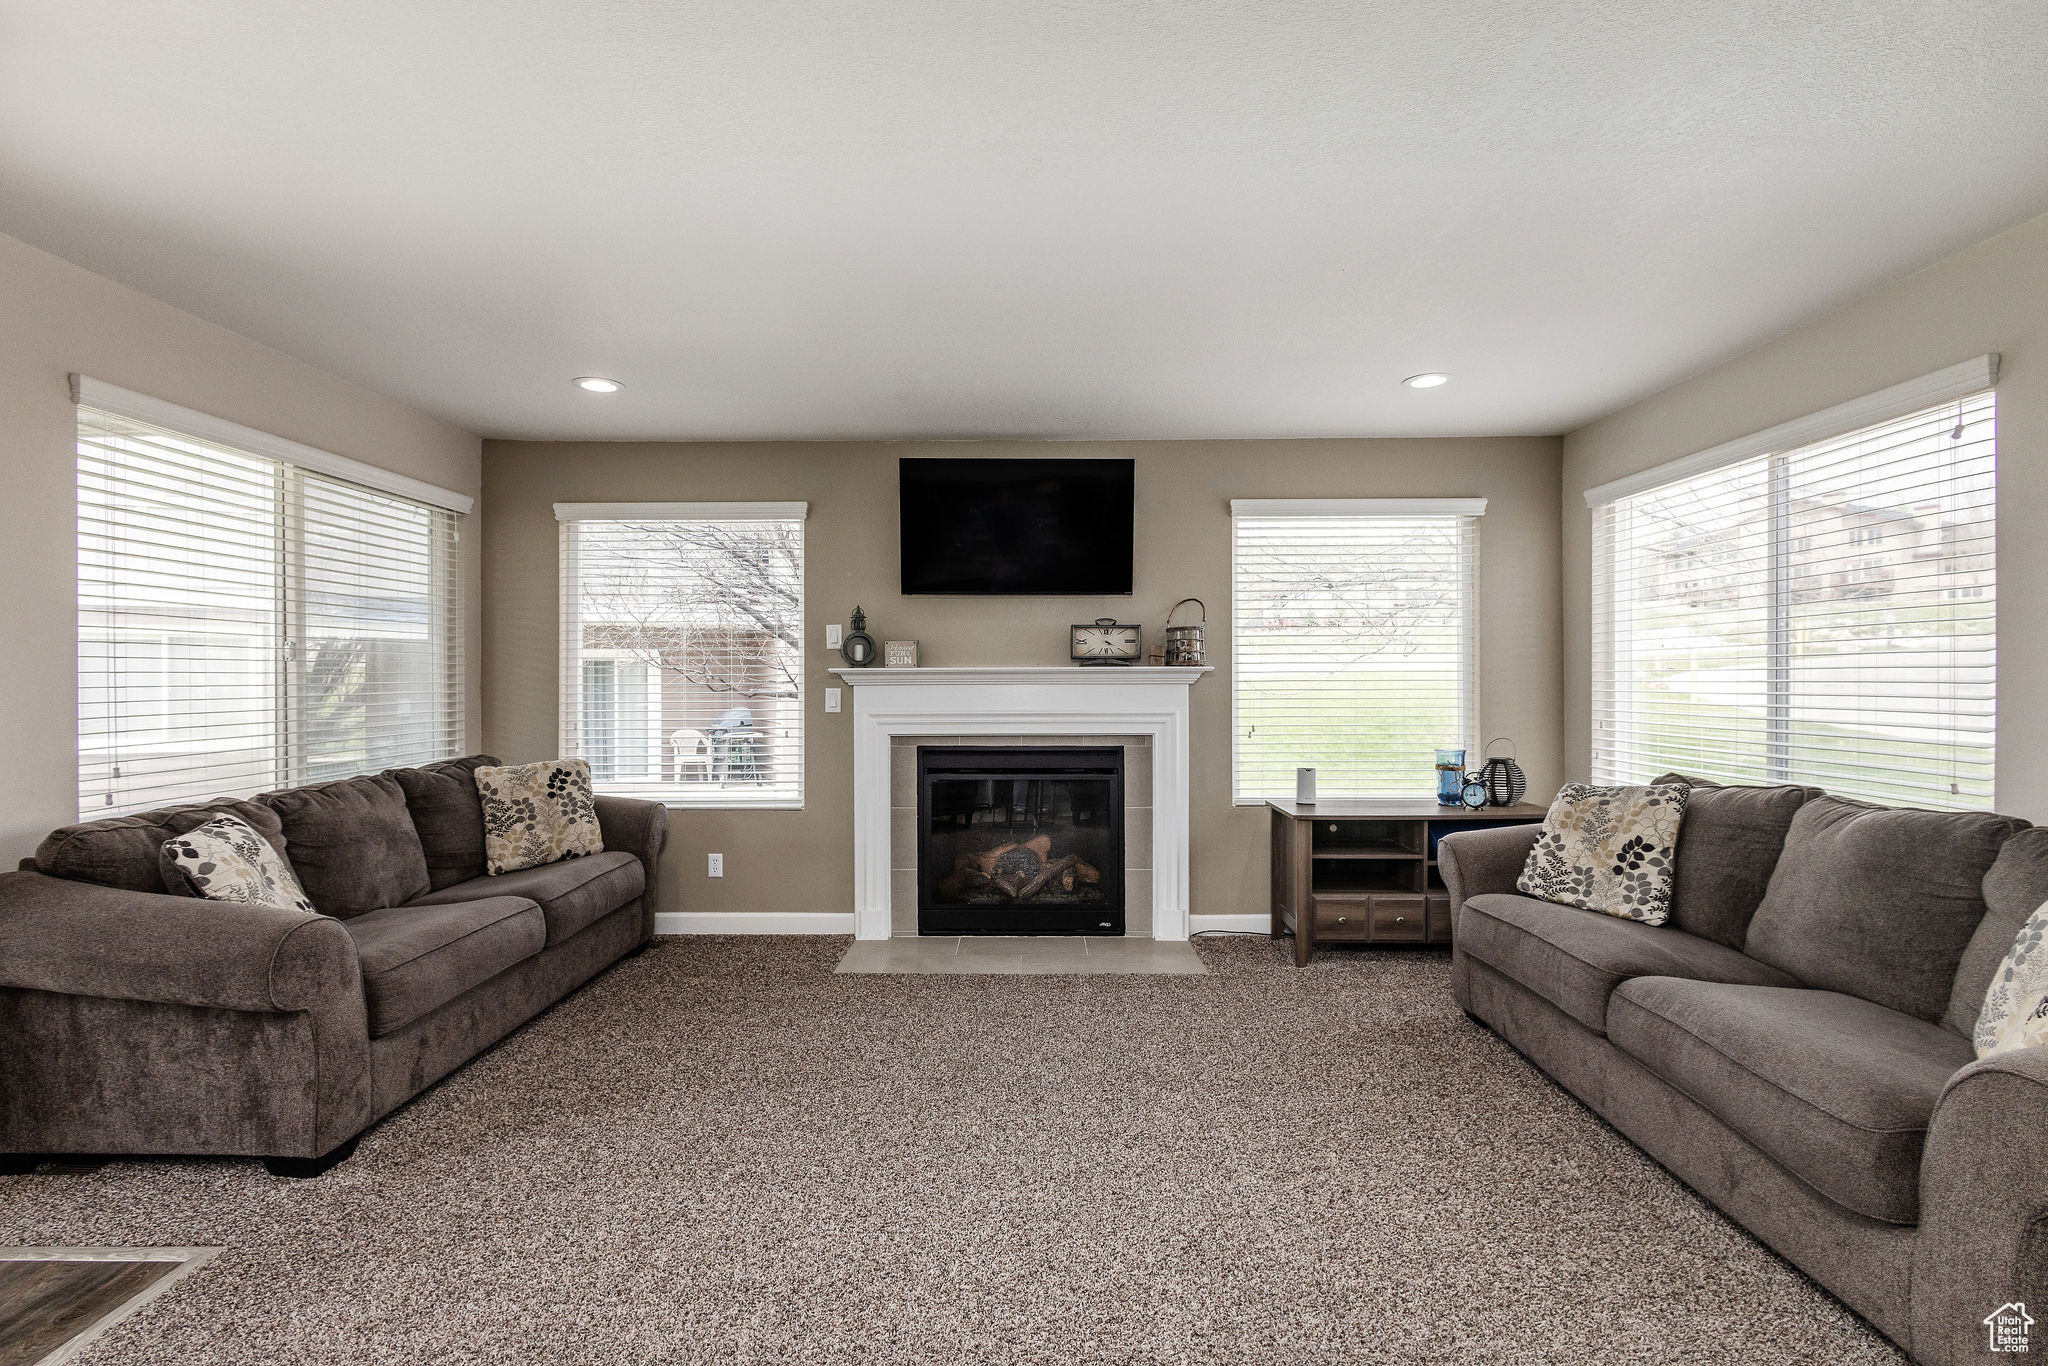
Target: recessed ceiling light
(1428,381)
(598,384)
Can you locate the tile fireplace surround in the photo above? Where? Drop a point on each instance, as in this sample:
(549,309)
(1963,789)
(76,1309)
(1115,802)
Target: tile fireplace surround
(1028,705)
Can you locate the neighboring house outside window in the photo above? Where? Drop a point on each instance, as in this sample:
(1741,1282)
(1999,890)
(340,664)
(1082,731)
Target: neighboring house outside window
(1354,645)
(682,648)
(1821,614)
(251,614)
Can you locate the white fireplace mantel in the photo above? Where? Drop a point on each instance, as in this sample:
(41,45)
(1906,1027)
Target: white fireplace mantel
(1028,700)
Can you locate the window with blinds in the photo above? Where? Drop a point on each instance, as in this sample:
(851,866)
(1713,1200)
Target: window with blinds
(1354,647)
(245,623)
(1824,614)
(682,646)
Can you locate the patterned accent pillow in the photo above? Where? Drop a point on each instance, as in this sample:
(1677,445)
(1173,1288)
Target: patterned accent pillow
(226,860)
(1609,849)
(537,813)
(2015,1013)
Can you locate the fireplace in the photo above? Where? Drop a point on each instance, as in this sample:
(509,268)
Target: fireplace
(1020,840)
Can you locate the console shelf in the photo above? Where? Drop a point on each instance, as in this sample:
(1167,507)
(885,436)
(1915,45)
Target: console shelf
(1365,872)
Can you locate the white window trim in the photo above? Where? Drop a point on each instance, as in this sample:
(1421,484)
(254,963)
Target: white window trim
(88,392)
(1473,508)
(1952,384)
(1358,507)
(1957,381)
(296,466)
(682,512)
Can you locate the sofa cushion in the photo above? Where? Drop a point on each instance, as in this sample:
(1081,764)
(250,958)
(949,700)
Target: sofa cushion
(123,851)
(1575,959)
(352,844)
(1608,849)
(448,816)
(2014,889)
(571,894)
(1836,1089)
(1728,846)
(1878,902)
(417,958)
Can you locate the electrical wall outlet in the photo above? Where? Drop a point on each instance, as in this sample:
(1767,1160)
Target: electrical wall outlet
(831,699)
(717,868)
(832,636)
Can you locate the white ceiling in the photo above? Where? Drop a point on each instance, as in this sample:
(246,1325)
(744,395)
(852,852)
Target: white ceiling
(1043,218)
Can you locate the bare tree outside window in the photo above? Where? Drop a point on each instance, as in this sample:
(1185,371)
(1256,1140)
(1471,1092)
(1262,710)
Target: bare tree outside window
(686,678)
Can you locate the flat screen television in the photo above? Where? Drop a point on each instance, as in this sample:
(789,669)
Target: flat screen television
(1036,527)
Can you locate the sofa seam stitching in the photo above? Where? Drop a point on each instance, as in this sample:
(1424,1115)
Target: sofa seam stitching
(467,934)
(1738,1063)
(1620,979)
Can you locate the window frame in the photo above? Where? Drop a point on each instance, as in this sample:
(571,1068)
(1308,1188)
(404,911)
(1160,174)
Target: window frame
(668,791)
(1859,561)
(1469,512)
(294,731)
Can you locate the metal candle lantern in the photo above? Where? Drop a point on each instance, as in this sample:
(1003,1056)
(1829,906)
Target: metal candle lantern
(1505,782)
(1184,643)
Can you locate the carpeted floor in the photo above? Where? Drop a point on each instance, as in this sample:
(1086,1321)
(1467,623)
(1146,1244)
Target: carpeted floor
(723,1152)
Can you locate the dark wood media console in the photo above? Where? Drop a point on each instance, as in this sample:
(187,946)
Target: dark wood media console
(1364,871)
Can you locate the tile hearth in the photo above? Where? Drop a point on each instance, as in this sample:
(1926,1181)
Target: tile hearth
(1022,956)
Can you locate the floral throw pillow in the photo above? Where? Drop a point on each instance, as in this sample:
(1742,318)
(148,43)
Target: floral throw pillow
(1609,849)
(226,860)
(2015,1013)
(537,813)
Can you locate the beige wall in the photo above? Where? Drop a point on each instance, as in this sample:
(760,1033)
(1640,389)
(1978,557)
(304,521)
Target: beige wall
(56,319)
(803,861)
(1993,297)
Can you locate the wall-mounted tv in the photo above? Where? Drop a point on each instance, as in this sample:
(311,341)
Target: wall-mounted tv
(1016,526)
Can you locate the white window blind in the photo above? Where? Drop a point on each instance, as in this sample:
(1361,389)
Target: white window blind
(682,645)
(1354,632)
(245,623)
(1825,614)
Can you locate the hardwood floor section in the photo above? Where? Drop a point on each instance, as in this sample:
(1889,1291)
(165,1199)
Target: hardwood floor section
(44,1303)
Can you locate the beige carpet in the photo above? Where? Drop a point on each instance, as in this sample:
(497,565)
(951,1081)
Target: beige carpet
(724,1152)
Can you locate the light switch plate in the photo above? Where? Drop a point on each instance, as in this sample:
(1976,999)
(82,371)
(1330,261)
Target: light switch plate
(832,637)
(831,699)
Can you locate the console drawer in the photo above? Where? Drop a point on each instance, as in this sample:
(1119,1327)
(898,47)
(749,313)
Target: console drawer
(1343,917)
(1400,919)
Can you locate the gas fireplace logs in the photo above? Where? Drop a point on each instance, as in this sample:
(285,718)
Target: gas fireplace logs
(1017,872)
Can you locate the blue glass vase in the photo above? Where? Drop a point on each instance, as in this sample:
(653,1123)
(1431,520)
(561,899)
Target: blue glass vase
(1450,777)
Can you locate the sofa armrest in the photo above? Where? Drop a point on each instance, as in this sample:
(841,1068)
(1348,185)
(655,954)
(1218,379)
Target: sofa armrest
(1475,862)
(1983,1237)
(81,939)
(641,829)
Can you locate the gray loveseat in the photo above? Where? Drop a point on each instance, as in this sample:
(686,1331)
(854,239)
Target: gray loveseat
(1795,1043)
(137,1021)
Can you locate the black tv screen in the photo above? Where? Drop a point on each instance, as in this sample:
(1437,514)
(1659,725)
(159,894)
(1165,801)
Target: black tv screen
(1016,526)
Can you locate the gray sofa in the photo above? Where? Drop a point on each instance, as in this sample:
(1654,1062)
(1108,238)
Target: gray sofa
(138,1021)
(1794,1044)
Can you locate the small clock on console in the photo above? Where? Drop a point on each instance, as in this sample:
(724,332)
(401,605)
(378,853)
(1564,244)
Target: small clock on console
(1105,642)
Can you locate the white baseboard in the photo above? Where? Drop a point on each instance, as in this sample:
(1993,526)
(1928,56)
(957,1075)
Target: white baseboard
(754,922)
(1248,924)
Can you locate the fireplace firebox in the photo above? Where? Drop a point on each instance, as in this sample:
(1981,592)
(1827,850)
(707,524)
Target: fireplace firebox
(1020,840)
